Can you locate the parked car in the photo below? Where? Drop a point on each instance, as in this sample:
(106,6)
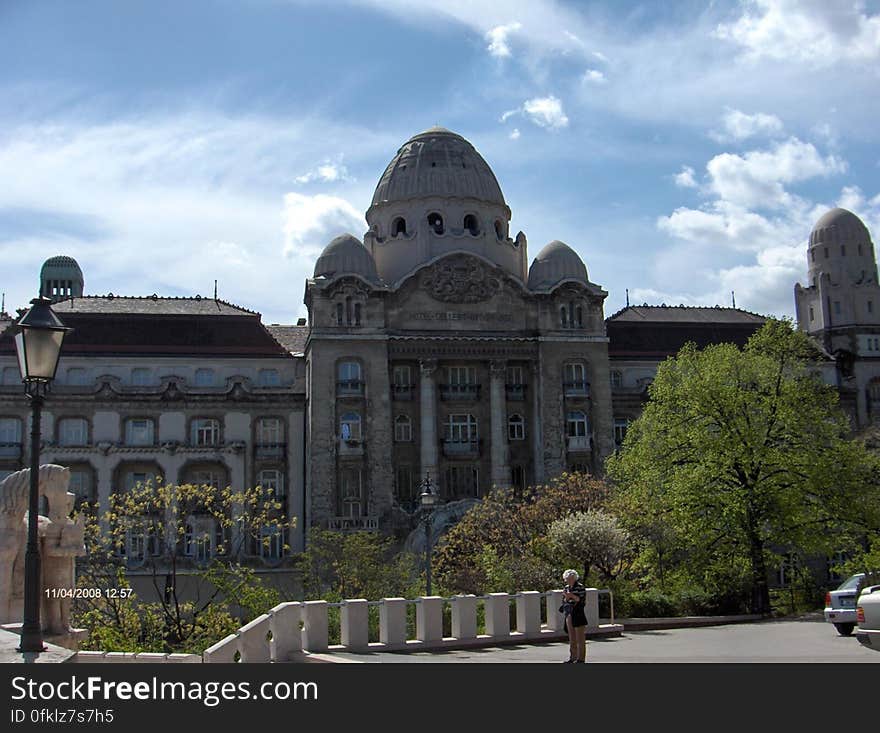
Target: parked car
(868,617)
(840,605)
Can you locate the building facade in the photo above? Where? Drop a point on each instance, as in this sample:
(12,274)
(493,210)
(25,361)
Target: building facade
(433,348)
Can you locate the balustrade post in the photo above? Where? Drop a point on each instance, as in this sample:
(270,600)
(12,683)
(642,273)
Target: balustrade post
(464,617)
(284,622)
(591,609)
(429,618)
(315,632)
(355,629)
(528,613)
(555,619)
(392,621)
(497,607)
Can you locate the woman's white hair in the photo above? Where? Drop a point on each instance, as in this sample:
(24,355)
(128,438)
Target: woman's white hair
(568,573)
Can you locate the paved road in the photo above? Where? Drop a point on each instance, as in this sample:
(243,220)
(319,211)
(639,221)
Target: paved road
(807,640)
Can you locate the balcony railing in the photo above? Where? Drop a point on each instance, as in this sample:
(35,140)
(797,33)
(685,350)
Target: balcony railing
(580,388)
(516,391)
(460,392)
(402,391)
(578,443)
(351,447)
(461,448)
(270,450)
(350,387)
(10,450)
(352,524)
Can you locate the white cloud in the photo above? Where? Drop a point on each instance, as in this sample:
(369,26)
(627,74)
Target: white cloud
(546,112)
(685,178)
(601,56)
(755,179)
(327,172)
(739,126)
(594,76)
(510,113)
(310,222)
(818,32)
(498,39)
(514,135)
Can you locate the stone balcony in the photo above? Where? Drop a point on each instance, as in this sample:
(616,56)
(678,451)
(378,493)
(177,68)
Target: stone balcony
(459,392)
(461,448)
(578,443)
(270,451)
(353,524)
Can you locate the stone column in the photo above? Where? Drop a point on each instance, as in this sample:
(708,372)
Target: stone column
(537,389)
(498,416)
(428,392)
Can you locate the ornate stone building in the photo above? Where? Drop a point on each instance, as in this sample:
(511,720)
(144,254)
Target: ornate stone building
(434,349)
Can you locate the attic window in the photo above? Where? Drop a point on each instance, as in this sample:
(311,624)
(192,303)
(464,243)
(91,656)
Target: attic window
(398,227)
(471,224)
(435,221)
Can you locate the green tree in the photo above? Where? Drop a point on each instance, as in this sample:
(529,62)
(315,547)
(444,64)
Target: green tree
(593,538)
(167,532)
(746,451)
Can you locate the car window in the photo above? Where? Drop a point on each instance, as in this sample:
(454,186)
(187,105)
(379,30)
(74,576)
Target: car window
(852,582)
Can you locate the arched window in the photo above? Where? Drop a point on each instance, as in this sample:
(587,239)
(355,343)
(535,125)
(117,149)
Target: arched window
(348,378)
(563,317)
(578,317)
(402,429)
(357,314)
(435,221)
(471,224)
(516,428)
(499,229)
(398,227)
(350,426)
(339,317)
(575,379)
(576,424)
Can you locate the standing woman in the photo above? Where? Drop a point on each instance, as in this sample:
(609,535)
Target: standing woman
(574,601)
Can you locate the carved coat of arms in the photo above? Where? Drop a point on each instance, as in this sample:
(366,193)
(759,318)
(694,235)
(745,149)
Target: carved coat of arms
(460,280)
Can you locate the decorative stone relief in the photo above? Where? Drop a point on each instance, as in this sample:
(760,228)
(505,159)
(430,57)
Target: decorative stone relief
(460,280)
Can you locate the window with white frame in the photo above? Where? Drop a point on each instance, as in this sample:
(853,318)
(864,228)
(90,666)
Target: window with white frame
(76,376)
(518,476)
(271,543)
(576,424)
(269,431)
(82,485)
(269,378)
(461,428)
(403,429)
(575,376)
(205,431)
(272,482)
(462,481)
(516,427)
(204,377)
(616,378)
(350,426)
(401,376)
(141,377)
(349,377)
(515,376)
(351,503)
(404,484)
(73,431)
(139,431)
(10,431)
(621,425)
(461,376)
(198,539)
(11,375)
(205,477)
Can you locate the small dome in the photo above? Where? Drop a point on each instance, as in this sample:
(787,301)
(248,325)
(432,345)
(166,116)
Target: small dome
(555,263)
(438,162)
(61,277)
(346,255)
(61,265)
(839,225)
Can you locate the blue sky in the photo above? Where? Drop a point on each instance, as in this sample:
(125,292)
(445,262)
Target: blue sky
(683,149)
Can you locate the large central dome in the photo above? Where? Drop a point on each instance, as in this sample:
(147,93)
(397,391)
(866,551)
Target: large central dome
(438,162)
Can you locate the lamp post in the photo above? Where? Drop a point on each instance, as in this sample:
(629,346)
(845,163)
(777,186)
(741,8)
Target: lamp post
(428,500)
(39,334)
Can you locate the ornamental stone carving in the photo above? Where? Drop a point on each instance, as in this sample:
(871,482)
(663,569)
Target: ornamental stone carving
(460,279)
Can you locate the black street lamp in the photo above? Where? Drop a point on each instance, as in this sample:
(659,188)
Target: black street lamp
(39,334)
(428,500)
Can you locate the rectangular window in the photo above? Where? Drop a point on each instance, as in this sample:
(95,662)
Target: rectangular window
(515,375)
(812,317)
(401,376)
(870,306)
(140,377)
(402,429)
(516,428)
(462,481)
(269,431)
(616,379)
(269,378)
(136,478)
(10,430)
(139,431)
(461,428)
(81,486)
(575,379)
(404,486)
(73,431)
(518,477)
(621,425)
(837,307)
(272,482)
(351,502)
(462,375)
(205,477)
(205,431)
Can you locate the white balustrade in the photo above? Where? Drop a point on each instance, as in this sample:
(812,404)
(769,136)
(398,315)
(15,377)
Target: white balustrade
(284,622)
(555,619)
(355,624)
(497,608)
(315,631)
(464,617)
(528,613)
(392,621)
(253,640)
(429,618)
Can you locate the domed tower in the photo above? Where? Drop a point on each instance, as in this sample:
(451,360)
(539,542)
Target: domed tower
(60,278)
(842,292)
(840,307)
(439,195)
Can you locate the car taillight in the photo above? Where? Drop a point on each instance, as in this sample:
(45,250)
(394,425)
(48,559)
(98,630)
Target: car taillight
(828,600)
(860,615)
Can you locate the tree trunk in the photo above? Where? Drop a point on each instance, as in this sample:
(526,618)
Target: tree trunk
(760,589)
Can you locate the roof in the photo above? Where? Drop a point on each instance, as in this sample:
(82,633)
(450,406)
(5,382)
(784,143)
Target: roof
(150,305)
(438,162)
(292,338)
(346,254)
(656,332)
(684,314)
(839,225)
(556,262)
